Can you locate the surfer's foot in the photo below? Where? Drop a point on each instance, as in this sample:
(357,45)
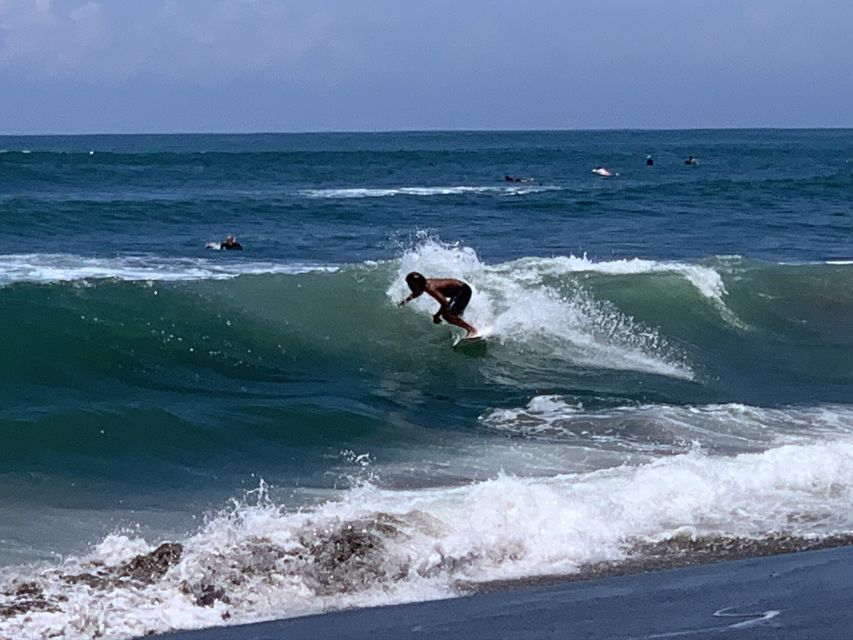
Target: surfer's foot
(471,334)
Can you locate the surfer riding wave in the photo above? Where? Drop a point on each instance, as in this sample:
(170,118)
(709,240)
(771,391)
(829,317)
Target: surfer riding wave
(453,295)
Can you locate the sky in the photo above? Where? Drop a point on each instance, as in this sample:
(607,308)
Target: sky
(151,66)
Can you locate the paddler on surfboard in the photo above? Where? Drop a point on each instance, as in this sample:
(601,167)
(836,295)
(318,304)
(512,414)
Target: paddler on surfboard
(453,295)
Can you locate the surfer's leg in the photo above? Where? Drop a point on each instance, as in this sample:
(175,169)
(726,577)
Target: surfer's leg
(459,322)
(455,308)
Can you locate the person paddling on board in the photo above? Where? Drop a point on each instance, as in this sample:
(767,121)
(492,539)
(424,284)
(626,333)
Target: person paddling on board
(231,243)
(453,295)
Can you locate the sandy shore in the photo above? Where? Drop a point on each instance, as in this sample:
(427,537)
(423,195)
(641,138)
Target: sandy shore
(790,597)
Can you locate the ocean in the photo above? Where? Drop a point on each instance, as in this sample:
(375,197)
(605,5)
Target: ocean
(196,437)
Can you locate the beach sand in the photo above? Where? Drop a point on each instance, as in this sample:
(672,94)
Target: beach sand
(789,596)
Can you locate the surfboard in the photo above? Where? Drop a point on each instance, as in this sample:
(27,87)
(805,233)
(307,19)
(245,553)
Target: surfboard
(478,339)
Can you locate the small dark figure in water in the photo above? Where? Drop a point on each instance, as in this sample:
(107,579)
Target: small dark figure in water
(231,243)
(453,295)
(515,179)
(649,161)
(691,160)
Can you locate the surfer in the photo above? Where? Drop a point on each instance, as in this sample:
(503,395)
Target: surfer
(602,171)
(231,243)
(453,295)
(691,161)
(650,161)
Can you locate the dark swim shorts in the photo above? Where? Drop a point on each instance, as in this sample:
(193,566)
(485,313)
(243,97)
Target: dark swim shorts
(456,305)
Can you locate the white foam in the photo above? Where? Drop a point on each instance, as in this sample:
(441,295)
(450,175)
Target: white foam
(342,193)
(55,267)
(705,280)
(668,428)
(377,546)
(513,299)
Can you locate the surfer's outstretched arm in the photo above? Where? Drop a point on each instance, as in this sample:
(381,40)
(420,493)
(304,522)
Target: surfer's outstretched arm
(409,298)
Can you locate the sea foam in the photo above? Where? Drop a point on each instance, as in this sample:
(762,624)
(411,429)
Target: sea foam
(364,192)
(666,429)
(60,267)
(258,560)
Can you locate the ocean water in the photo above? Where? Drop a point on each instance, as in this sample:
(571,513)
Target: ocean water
(194,437)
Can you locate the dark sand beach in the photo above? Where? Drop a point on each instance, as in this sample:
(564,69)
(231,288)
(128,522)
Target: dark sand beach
(789,596)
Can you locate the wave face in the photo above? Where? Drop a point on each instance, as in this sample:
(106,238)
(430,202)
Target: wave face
(604,332)
(196,437)
(607,387)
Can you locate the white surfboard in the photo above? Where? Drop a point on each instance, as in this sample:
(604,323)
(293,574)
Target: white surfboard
(479,338)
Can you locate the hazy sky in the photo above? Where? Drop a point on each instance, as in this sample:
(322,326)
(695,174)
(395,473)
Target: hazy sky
(69,66)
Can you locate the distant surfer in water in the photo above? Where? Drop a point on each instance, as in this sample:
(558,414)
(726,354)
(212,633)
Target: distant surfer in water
(453,295)
(231,243)
(691,161)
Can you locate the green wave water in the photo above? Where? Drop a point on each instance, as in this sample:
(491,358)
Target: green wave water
(270,361)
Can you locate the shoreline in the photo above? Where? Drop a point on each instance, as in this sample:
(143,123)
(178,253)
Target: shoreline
(676,553)
(788,594)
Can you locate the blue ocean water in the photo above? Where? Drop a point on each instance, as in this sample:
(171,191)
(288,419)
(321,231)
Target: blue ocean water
(672,357)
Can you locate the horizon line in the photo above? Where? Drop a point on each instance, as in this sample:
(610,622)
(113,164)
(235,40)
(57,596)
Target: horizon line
(421,131)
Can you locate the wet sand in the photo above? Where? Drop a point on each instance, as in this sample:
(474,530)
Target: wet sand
(789,597)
